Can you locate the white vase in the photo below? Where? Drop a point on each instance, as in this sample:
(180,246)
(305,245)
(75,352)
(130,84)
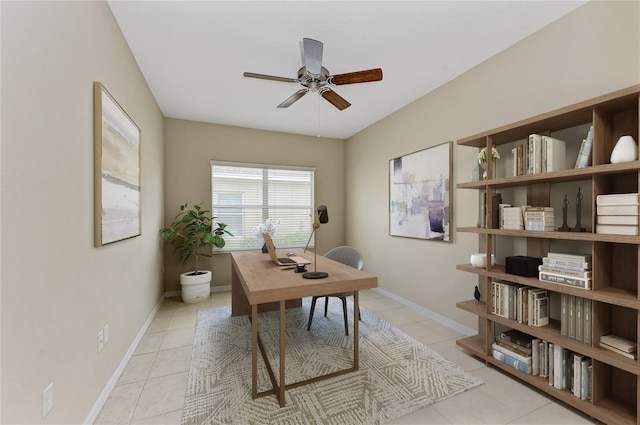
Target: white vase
(625,150)
(195,288)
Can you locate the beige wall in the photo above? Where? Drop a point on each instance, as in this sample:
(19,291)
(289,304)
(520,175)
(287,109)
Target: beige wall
(58,290)
(592,51)
(189,146)
(51,54)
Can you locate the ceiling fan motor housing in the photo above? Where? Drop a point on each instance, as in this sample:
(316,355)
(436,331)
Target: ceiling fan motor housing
(313,81)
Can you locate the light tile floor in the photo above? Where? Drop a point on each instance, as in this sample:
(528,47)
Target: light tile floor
(152,387)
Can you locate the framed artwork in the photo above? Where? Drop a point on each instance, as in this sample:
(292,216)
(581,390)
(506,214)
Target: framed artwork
(116,170)
(420,195)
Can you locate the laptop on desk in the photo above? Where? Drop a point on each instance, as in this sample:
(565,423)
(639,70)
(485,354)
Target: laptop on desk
(282,261)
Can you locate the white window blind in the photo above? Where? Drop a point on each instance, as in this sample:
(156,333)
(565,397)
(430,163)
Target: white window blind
(246,195)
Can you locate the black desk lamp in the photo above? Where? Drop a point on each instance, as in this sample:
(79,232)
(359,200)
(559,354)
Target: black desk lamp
(322,216)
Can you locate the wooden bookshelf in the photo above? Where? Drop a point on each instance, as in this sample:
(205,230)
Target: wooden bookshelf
(615,292)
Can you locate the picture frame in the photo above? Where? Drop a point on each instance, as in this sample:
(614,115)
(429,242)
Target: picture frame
(117,162)
(420,196)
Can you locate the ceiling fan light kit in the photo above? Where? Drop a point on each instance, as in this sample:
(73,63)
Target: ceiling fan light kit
(314,77)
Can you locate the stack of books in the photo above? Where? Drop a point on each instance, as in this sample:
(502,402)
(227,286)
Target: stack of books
(617,214)
(513,348)
(539,219)
(512,218)
(619,345)
(566,269)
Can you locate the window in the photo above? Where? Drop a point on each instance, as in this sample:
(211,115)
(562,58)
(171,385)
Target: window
(246,195)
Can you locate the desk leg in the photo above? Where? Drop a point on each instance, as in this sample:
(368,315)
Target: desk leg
(282,366)
(356,329)
(254,351)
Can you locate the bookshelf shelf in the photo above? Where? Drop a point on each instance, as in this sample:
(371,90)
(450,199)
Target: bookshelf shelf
(571,175)
(615,296)
(567,236)
(615,280)
(474,344)
(472,306)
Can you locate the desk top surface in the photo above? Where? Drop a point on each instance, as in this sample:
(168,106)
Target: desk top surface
(263,281)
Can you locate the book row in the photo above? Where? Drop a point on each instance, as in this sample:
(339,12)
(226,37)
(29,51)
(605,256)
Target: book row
(539,154)
(543,154)
(576,318)
(531,306)
(525,304)
(564,369)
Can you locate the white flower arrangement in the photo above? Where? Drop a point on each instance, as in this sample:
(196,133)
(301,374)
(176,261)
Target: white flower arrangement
(482,156)
(269,227)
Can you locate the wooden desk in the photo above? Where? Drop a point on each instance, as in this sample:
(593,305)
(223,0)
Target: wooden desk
(257,281)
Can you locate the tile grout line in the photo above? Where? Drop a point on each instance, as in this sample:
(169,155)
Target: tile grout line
(146,380)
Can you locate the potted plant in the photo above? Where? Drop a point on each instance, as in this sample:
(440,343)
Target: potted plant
(191,233)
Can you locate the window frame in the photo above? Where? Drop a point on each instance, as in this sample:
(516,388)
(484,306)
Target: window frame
(265,207)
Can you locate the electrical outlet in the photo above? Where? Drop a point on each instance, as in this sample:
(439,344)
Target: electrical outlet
(100,340)
(106,333)
(47,400)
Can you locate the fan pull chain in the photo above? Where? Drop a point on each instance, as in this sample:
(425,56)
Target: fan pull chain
(318,132)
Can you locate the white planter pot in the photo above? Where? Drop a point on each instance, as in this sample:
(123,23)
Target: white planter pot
(195,288)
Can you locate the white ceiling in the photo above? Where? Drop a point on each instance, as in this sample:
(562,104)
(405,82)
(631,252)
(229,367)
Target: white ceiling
(193,54)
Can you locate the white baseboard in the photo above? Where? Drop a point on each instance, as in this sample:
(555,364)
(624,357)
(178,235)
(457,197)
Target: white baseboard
(430,314)
(104,395)
(224,288)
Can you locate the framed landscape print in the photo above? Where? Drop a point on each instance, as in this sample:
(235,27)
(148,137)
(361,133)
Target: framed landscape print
(116,170)
(420,194)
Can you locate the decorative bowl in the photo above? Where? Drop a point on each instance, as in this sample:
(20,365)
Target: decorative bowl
(480,260)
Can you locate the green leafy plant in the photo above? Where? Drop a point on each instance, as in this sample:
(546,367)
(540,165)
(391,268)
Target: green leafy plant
(192,230)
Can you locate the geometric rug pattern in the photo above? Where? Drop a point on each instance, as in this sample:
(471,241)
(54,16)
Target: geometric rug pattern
(397,374)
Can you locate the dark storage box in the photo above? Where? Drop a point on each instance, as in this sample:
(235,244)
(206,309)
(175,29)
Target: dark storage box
(522,265)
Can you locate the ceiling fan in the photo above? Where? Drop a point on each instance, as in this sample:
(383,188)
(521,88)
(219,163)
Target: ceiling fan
(314,77)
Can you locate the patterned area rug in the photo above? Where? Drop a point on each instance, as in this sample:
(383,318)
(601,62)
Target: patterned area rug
(397,374)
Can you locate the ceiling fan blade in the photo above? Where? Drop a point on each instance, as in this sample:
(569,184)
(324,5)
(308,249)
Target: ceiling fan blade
(271,77)
(357,77)
(312,55)
(293,98)
(334,98)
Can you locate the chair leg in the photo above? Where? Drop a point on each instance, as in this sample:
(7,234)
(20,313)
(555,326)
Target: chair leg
(313,307)
(326,305)
(344,311)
